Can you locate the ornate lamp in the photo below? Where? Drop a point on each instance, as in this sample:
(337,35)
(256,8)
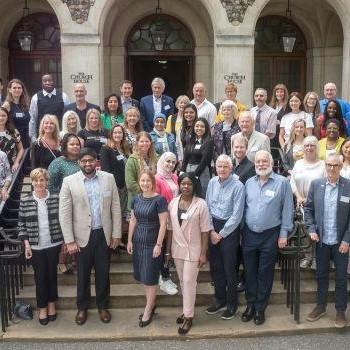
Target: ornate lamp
(158,35)
(289,36)
(24,35)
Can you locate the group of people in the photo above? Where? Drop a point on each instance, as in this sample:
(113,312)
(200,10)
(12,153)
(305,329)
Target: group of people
(190,185)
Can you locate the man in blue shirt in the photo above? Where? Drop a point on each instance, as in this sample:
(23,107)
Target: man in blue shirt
(268,219)
(225,199)
(327,213)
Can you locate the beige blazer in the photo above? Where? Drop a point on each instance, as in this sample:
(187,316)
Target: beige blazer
(187,238)
(74,208)
(256,142)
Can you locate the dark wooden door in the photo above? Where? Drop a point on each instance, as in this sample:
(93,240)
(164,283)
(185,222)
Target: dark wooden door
(177,73)
(272,70)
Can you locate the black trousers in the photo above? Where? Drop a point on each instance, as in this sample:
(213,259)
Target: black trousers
(260,251)
(95,255)
(44,262)
(223,260)
(324,253)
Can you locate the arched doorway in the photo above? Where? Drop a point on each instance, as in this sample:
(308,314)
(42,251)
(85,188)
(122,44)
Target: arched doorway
(272,64)
(45,54)
(172,61)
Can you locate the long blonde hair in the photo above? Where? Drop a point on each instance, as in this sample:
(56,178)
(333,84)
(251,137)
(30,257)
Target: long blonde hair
(152,156)
(93,111)
(292,136)
(53,119)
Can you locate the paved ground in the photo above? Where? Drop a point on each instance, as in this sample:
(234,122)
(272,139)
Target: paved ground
(332,341)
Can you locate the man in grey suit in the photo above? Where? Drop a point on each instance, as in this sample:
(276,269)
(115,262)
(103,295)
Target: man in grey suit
(327,219)
(89,213)
(256,140)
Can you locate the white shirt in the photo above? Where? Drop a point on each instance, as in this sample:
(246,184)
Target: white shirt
(157,104)
(303,173)
(44,227)
(33,110)
(206,110)
(288,120)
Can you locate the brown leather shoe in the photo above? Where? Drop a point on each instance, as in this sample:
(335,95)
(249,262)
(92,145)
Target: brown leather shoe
(340,320)
(105,315)
(81,317)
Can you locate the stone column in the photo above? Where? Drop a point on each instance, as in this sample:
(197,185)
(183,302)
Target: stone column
(234,54)
(82,62)
(346,64)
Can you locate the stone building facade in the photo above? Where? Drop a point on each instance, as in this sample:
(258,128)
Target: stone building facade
(206,40)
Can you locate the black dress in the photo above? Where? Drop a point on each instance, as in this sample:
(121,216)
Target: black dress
(21,118)
(146,210)
(94,139)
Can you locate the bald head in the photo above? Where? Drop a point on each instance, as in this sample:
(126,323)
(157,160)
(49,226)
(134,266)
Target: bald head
(330,91)
(199,92)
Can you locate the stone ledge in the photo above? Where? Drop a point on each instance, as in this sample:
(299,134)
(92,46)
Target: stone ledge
(124,326)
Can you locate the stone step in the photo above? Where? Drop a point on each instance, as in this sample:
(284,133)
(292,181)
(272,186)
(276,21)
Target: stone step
(124,326)
(132,295)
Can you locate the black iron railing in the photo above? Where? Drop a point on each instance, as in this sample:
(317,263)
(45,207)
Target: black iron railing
(12,262)
(289,260)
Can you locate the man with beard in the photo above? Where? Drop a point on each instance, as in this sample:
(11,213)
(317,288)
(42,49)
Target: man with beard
(268,219)
(90,218)
(47,101)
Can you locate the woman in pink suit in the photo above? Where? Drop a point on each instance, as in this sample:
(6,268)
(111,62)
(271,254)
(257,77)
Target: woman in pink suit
(187,242)
(167,187)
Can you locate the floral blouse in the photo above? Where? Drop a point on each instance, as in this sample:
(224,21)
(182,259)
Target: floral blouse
(8,144)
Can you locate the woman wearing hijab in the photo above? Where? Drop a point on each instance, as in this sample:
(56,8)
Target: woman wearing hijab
(167,187)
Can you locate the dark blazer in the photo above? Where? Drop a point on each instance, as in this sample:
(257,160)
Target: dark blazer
(314,209)
(147,110)
(135,103)
(244,170)
(287,160)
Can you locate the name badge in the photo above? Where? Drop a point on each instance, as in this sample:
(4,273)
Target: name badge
(197,146)
(226,127)
(19,115)
(344,199)
(184,216)
(120,157)
(270,193)
(166,107)
(254,149)
(103,140)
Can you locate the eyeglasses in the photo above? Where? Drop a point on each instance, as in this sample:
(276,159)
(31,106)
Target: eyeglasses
(332,165)
(87,161)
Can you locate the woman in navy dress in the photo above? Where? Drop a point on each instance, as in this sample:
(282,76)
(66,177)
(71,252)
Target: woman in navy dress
(147,229)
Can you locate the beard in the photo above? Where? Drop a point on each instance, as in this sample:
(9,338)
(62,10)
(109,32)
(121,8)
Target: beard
(263,172)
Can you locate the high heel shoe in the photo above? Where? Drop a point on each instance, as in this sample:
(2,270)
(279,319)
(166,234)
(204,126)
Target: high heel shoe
(147,322)
(153,312)
(180,319)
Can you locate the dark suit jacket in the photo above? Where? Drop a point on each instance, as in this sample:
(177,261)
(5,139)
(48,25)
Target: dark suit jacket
(147,110)
(288,160)
(314,209)
(244,170)
(135,103)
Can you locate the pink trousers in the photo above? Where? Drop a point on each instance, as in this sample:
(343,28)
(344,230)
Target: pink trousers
(187,272)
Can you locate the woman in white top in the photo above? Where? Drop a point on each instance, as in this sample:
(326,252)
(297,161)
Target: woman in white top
(307,169)
(295,110)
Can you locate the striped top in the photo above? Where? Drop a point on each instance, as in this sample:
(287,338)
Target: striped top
(28,223)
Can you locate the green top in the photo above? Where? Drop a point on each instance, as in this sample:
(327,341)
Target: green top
(58,170)
(108,121)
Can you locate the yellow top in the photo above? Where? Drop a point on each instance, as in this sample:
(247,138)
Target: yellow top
(178,124)
(323,151)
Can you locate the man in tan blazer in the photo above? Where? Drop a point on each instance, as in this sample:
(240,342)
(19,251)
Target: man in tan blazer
(256,140)
(90,218)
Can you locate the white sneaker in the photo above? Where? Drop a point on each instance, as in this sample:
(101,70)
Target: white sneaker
(170,281)
(167,287)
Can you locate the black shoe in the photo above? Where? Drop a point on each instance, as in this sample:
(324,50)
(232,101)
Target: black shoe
(240,287)
(229,313)
(259,317)
(147,322)
(215,308)
(153,312)
(248,314)
(44,321)
(52,318)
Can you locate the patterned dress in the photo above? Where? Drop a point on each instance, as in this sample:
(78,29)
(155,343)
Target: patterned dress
(146,210)
(8,144)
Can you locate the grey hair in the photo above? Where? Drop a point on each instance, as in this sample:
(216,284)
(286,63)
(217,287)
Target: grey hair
(159,81)
(224,158)
(335,156)
(246,114)
(261,89)
(264,152)
(312,140)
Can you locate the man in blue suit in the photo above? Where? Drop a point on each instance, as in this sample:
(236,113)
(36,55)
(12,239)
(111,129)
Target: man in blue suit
(155,103)
(327,213)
